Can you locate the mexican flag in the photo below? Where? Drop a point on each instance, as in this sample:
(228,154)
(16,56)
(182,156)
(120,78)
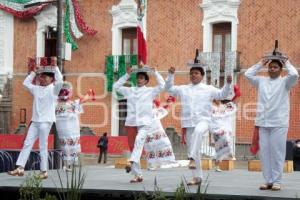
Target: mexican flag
(142,45)
(141,39)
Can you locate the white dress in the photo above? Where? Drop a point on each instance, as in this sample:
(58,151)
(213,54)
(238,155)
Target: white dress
(68,129)
(221,128)
(157,145)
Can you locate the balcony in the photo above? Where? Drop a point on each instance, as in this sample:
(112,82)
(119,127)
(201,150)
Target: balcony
(220,64)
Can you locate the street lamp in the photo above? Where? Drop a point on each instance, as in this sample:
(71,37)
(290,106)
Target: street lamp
(59,41)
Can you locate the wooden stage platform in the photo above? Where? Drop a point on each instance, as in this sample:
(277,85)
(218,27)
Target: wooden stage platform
(106,182)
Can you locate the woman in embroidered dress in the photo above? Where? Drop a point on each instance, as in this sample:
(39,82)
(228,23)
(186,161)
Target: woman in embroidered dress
(221,129)
(67,125)
(157,145)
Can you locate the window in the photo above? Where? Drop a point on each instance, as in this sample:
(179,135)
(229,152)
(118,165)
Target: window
(129,41)
(50,42)
(222,40)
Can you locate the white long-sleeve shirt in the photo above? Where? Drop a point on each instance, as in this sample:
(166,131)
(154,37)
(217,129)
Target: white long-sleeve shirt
(139,100)
(196,100)
(273,104)
(44,97)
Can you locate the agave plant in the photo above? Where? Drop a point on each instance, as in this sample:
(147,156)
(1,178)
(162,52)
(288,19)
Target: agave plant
(75,180)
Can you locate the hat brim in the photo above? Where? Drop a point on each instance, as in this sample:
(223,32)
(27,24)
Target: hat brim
(145,68)
(197,65)
(283,58)
(46,69)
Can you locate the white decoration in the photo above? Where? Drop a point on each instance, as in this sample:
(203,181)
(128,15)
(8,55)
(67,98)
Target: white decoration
(68,51)
(75,30)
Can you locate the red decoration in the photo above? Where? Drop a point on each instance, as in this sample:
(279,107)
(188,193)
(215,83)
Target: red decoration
(117,144)
(131,135)
(255,141)
(156,102)
(24,14)
(91,93)
(237,92)
(183,136)
(80,20)
(171,99)
(142,44)
(44,61)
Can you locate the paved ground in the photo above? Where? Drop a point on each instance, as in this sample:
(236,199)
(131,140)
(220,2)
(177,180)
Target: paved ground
(239,182)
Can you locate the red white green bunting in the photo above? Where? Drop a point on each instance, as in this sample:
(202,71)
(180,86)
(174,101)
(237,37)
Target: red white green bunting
(73,21)
(16,8)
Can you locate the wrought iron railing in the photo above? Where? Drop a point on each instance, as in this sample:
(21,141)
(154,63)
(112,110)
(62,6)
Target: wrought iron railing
(8,159)
(220,63)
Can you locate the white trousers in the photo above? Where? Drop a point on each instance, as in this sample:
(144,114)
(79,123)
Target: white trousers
(36,130)
(138,149)
(189,138)
(272,145)
(195,148)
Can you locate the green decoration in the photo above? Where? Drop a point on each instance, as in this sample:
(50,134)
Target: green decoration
(112,76)
(68,35)
(133,79)
(133,61)
(122,66)
(121,71)
(109,71)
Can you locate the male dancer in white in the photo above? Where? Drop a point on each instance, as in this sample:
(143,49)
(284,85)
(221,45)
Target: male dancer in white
(43,116)
(196,102)
(272,118)
(139,113)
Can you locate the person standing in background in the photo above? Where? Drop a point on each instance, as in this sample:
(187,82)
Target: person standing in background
(103,145)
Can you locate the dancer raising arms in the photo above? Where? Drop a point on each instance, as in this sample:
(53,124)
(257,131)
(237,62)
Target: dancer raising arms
(139,112)
(43,116)
(196,102)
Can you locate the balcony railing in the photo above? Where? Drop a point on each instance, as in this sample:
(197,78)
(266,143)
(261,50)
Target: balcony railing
(220,64)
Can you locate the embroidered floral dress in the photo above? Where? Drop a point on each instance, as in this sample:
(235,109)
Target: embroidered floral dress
(157,145)
(68,129)
(221,128)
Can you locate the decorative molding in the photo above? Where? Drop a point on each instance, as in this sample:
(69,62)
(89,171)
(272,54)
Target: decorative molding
(124,13)
(47,18)
(216,11)
(220,9)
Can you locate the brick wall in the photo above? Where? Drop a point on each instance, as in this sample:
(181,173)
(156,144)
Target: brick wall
(174,31)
